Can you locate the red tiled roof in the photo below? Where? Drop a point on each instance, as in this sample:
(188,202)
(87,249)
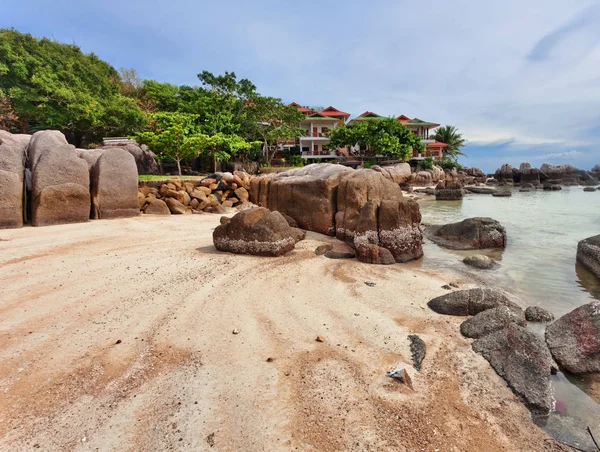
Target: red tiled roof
(369,114)
(436,144)
(300,108)
(403,118)
(332,111)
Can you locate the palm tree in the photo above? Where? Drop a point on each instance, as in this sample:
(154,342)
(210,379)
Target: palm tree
(454,140)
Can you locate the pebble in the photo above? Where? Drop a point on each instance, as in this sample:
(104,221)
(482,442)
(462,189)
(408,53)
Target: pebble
(320,339)
(235,331)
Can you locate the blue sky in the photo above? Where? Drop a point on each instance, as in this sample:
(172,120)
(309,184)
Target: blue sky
(520,79)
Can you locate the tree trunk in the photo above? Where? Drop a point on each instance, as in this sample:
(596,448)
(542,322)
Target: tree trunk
(160,168)
(214,164)
(25,126)
(179,167)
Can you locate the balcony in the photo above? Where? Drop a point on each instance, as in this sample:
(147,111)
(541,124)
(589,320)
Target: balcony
(316,136)
(319,155)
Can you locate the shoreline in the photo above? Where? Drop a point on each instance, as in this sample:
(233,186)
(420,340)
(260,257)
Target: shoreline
(179,375)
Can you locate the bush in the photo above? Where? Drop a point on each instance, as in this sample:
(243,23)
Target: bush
(369,164)
(297,160)
(448,163)
(427,163)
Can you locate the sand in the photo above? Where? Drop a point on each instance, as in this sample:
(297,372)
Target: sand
(116,335)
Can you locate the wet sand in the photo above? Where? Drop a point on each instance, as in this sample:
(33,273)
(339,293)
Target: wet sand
(117,335)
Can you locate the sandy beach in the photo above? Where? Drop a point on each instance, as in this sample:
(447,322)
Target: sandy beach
(117,335)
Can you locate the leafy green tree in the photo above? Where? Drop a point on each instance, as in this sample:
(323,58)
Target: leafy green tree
(172,136)
(454,140)
(54,85)
(274,122)
(385,136)
(221,147)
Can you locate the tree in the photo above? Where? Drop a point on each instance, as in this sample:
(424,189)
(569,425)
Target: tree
(8,117)
(454,140)
(385,136)
(275,123)
(221,147)
(131,83)
(173,136)
(56,86)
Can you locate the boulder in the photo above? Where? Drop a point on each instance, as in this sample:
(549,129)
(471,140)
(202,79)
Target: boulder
(502,193)
(322,249)
(309,195)
(176,207)
(505,172)
(551,187)
(290,220)
(399,229)
(156,207)
(538,315)
(114,182)
(596,170)
(480,190)
(574,339)
(374,254)
(91,156)
(588,254)
(469,234)
(479,261)
(257,231)
(145,160)
(589,189)
(60,185)
(475,172)
(522,359)
(529,175)
(448,192)
(43,141)
(491,320)
(12,173)
(398,174)
(333,254)
(470,302)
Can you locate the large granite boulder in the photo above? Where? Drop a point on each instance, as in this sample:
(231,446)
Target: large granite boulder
(574,339)
(372,212)
(476,173)
(60,187)
(12,168)
(522,359)
(596,170)
(257,231)
(470,302)
(470,234)
(505,172)
(448,191)
(155,206)
(145,160)
(90,156)
(588,254)
(43,141)
(529,175)
(308,195)
(491,320)
(114,184)
(398,174)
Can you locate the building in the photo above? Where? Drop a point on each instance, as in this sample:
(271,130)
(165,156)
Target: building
(313,143)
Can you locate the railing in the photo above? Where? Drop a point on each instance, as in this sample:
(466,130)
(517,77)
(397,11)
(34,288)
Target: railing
(316,135)
(319,154)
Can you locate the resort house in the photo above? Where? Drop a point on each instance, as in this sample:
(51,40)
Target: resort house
(314,141)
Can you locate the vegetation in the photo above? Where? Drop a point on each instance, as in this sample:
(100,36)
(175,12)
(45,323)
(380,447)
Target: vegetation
(448,163)
(427,163)
(385,136)
(454,140)
(45,84)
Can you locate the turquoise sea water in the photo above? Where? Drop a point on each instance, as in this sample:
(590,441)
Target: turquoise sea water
(543,229)
(539,267)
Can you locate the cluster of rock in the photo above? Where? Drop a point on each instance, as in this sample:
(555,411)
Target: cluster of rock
(46,180)
(499,328)
(363,207)
(548,177)
(215,194)
(431,177)
(145,159)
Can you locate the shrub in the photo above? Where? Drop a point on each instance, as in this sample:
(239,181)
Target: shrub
(448,163)
(297,160)
(427,163)
(369,164)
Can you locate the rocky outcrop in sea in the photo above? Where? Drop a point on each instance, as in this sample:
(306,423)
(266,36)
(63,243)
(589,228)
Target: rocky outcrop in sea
(547,175)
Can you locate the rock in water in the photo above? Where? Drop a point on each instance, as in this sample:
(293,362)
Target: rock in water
(449,192)
(538,315)
(491,320)
(502,193)
(589,189)
(470,234)
(114,182)
(574,339)
(257,231)
(481,190)
(588,254)
(469,302)
(60,185)
(418,350)
(523,360)
(479,261)
(12,168)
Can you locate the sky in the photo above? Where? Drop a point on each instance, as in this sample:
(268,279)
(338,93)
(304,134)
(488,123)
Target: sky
(520,79)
